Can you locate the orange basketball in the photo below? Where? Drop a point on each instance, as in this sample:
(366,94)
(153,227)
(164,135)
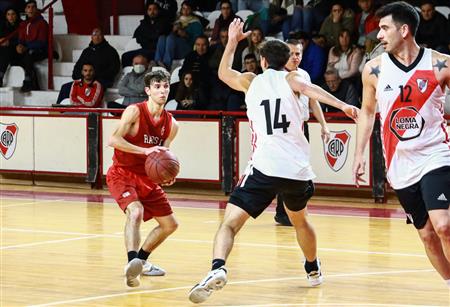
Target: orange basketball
(162,166)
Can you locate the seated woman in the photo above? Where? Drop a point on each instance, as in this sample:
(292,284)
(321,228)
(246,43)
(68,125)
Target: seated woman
(181,40)
(8,24)
(189,94)
(255,40)
(345,57)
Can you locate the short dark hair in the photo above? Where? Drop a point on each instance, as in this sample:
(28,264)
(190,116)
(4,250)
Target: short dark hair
(276,53)
(293,41)
(249,56)
(402,13)
(31,1)
(156,76)
(88,63)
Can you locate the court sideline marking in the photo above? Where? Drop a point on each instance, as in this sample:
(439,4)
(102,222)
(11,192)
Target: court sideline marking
(244,244)
(92,298)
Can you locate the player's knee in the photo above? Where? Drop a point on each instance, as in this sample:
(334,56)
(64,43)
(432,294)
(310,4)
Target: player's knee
(430,240)
(443,230)
(135,213)
(170,227)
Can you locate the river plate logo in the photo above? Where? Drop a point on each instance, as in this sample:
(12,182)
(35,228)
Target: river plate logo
(8,139)
(336,150)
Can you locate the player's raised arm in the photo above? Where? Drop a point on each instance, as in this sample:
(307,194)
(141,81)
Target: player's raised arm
(366,120)
(299,84)
(234,79)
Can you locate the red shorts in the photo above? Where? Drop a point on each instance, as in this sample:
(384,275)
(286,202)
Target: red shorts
(127,187)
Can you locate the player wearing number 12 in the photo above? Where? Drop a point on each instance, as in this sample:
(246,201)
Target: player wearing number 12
(280,161)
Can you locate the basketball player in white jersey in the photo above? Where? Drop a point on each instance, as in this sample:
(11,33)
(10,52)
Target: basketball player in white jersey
(280,161)
(308,104)
(408,82)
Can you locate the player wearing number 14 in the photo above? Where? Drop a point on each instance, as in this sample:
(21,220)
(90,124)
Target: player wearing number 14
(280,160)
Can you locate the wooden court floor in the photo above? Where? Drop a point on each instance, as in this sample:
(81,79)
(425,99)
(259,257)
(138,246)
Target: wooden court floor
(64,247)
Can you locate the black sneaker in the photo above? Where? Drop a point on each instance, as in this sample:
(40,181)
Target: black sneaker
(282,220)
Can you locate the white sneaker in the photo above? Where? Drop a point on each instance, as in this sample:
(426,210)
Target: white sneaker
(132,271)
(149,269)
(215,280)
(315,278)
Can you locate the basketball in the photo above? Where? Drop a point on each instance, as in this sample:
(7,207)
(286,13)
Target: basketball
(162,166)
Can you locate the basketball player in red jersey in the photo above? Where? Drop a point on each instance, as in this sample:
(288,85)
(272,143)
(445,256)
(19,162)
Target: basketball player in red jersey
(407,84)
(144,127)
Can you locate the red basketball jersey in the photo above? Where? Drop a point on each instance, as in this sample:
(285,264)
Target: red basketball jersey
(150,133)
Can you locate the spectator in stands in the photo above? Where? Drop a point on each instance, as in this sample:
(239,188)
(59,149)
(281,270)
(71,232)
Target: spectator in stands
(8,46)
(190,95)
(314,57)
(222,96)
(345,57)
(147,33)
(255,40)
(177,44)
(431,33)
(169,8)
(251,64)
(227,15)
(341,89)
(333,24)
(365,21)
(33,44)
(86,92)
(131,86)
(196,62)
(104,58)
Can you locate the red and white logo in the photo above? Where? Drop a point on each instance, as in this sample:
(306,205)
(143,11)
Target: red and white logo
(406,123)
(336,150)
(422,84)
(8,139)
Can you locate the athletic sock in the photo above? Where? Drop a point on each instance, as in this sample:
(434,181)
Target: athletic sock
(143,254)
(217,263)
(132,255)
(311,266)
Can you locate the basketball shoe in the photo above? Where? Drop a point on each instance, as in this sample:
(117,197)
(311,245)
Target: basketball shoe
(215,280)
(149,269)
(132,271)
(315,278)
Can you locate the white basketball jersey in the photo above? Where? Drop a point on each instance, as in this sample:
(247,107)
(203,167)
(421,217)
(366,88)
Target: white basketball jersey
(304,100)
(276,117)
(411,104)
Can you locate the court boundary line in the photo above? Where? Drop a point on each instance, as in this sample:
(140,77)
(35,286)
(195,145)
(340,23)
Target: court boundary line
(121,294)
(243,244)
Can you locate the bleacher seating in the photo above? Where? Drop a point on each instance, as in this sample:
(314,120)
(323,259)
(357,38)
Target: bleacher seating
(244,14)
(212,18)
(127,23)
(444,10)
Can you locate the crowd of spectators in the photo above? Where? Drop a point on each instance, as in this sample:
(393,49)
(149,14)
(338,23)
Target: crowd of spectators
(337,37)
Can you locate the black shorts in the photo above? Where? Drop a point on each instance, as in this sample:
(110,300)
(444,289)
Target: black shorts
(255,192)
(432,192)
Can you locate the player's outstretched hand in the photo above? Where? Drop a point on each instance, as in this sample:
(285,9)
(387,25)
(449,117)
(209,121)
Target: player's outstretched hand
(149,150)
(351,112)
(359,166)
(236,31)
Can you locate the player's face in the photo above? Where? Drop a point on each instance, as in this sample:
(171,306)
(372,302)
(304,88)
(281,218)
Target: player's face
(295,56)
(390,35)
(158,91)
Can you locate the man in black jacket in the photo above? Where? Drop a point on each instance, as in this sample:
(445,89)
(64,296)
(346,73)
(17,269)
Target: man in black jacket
(103,56)
(147,33)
